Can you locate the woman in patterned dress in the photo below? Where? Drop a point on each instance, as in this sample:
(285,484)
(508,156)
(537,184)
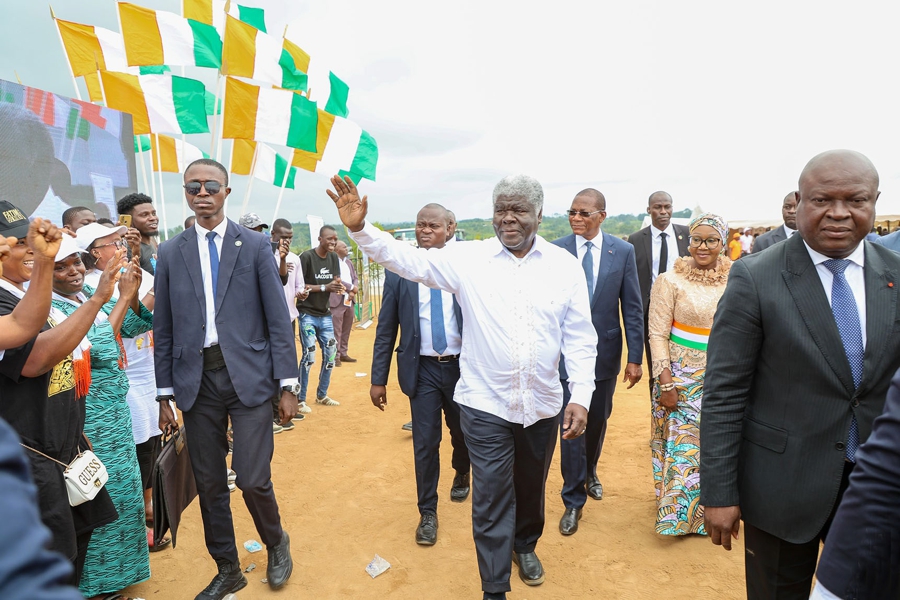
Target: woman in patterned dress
(682,305)
(117,555)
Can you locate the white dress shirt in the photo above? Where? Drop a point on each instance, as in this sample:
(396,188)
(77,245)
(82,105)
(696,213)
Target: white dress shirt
(581,250)
(346,274)
(522,313)
(855,276)
(657,246)
(295,283)
(451,327)
(788,232)
(820,592)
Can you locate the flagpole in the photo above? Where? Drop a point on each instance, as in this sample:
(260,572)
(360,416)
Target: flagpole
(214,136)
(162,193)
(152,178)
(143,166)
(68,64)
(252,177)
(284,179)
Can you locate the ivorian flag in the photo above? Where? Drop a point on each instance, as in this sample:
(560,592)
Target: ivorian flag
(92,80)
(158,103)
(270,166)
(162,38)
(174,155)
(249,52)
(349,151)
(141,143)
(269,115)
(212,12)
(327,89)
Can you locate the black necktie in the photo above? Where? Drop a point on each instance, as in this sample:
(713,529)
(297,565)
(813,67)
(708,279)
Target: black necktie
(663,253)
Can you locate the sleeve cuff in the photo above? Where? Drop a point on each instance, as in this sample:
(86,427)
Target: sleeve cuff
(581,394)
(169,391)
(290,381)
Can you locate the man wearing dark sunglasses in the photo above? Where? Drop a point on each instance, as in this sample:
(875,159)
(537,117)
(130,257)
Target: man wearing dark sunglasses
(223,347)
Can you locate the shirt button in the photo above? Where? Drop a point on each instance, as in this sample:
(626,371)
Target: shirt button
(839,446)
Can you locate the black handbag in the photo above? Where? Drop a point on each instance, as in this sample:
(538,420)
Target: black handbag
(174,487)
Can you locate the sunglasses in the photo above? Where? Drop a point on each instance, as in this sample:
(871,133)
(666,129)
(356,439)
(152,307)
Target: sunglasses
(193,187)
(582,213)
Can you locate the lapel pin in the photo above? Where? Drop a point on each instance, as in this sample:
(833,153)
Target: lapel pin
(609,251)
(238,243)
(890,284)
(680,237)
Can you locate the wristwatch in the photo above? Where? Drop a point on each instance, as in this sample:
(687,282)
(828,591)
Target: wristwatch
(322,288)
(165,397)
(294,389)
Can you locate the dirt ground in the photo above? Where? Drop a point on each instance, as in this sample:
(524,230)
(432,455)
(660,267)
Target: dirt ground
(346,488)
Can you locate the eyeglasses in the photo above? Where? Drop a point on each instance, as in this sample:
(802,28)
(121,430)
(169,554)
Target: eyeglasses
(193,187)
(711,243)
(117,244)
(582,213)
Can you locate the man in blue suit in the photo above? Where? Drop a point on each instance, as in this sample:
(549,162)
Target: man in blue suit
(223,346)
(612,278)
(891,241)
(861,559)
(427,369)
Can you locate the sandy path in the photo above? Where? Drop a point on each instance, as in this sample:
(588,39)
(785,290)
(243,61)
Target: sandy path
(345,485)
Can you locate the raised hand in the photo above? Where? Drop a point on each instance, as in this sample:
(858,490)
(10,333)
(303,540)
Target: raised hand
(130,281)
(350,207)
(44,238)
(133,239)
(110,276)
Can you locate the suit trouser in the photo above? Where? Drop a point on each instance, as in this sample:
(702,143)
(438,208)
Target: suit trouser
(779,570)
(342,318)
(509,474)
(434,393)
(579,456)
(206,423)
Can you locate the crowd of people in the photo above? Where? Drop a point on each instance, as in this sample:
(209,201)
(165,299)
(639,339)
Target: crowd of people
(768,364)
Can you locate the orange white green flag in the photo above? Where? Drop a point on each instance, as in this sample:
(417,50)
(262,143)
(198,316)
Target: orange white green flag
(252,53)
(158,103)
(349,151)
(212,12)
(174,155)
(269,115)
(269,165)
(154,37)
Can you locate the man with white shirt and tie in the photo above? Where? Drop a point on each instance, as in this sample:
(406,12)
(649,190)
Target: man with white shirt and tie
(223,346)
(612,281)
(779,234)
(430,323)
(508,391)
(655,249)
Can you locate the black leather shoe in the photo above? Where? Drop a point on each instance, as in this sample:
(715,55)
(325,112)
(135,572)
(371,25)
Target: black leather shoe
(530,569)
(426,532)
(280,563)
(229,580)
(568,524)
(594,488)
(460,489)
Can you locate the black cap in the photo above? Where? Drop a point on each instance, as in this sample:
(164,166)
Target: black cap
(13,222)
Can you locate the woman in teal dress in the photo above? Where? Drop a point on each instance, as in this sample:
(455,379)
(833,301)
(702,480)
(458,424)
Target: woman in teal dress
(117,554)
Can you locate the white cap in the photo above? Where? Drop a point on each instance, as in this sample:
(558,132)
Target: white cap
(67,247)
(88,234)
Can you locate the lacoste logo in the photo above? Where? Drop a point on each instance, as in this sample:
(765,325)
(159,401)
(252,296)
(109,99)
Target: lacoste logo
(323,270)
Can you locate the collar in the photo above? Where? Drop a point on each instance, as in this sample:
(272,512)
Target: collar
(857,257)
(220,230)
(580,241)
(535,249)
(788,231)
(669,231)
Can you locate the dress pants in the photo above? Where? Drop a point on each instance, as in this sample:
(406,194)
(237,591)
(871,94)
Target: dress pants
(509,473)
(647,350)
(342,318)
(779,570)
(579,456)
(206,423)
(434,393)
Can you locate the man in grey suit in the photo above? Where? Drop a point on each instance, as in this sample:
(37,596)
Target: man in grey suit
(223,346)
(612,279)
(891,241)
(804,343)
(779,234)
(655,249)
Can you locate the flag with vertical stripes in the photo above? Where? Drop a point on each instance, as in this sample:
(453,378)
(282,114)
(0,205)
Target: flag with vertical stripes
(348,150)
(174,155)
(270,166)
(249,52)
(327,89)
(212,12)
(158,103)
(268,115)
(162,38)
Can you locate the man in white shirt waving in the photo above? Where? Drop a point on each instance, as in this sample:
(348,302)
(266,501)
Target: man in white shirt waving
(515,327)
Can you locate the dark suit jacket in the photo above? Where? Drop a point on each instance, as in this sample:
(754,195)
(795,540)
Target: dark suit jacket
(891,241)
(861,559)
(769,238)
(252,320)
(779,396)
(617,282)
(400,308)
(643,254)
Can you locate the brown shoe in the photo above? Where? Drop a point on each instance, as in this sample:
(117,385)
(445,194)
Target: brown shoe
(349,359)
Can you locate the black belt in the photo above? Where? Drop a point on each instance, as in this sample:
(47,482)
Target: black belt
(442,359)
(212,358)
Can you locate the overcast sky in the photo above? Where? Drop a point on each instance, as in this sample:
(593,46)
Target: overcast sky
(720,104)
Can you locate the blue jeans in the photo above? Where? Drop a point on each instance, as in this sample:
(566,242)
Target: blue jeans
(312,329)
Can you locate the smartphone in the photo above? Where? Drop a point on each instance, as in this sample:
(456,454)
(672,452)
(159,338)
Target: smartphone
(125,220)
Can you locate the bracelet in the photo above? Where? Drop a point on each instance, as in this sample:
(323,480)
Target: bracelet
(666,387)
